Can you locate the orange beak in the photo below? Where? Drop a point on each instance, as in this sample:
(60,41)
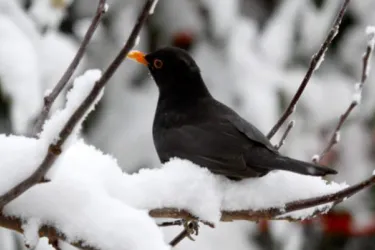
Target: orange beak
(137,56)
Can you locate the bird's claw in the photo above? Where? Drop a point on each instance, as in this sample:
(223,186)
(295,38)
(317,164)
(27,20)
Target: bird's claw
(192,228)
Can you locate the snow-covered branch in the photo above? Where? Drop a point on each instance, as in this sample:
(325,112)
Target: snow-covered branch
(51,233)
(314,64)
(274,213)
(54,149)
(51,97)
(366,65)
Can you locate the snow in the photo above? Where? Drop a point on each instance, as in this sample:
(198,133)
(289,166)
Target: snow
(106,7)
(315,158)
(337,136)
(279,187)
(253,49)
(57,52)
(79,205)
(48,13)
(30,232)
(357,96)
(90,183)
(321,59)
(137,41)
(152,9)
(292,123)
(370,31)
(14,151)
(19,73)
(82,86)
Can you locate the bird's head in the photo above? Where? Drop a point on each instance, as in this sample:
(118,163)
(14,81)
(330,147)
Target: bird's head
(172,68)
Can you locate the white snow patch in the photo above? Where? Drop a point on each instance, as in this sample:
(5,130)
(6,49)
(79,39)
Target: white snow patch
(20,75)
(78,201)
(315,158)
(152,9)
(86,184)
(106,7)
(179,184)
(321,59)
(137,41)
(370,31)
(20,156)
(30,232)
(337,136)
(275,190)
(357,96)
(81,88)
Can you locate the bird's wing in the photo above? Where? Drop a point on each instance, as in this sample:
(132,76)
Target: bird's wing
(250,131)
(218,147)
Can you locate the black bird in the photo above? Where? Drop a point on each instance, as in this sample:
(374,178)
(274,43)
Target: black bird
(190,124)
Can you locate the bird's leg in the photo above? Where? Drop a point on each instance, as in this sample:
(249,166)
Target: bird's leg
(191,227)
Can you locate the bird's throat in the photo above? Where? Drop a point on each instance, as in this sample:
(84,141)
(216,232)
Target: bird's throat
(184,91)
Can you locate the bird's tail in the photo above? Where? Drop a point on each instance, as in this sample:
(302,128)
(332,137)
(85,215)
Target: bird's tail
(301,167)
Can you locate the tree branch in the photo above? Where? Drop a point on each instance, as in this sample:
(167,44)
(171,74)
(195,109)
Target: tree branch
(51,233)
(366,61)
(271,213)
(190,227)
(315,61)
(287,130)
(54,150)
(51,97)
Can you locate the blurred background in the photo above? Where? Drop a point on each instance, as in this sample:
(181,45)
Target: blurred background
(253,55)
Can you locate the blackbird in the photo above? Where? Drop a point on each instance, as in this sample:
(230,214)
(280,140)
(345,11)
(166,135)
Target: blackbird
(190,124)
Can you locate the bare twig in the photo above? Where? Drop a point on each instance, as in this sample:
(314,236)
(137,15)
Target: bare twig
(315,61)
(51,97)
(179,238)
(190,227)
(287,130)
(171,223)
(54,150)
(366,61)
(272,213)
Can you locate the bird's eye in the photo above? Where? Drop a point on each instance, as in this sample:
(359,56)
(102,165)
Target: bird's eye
(158,63)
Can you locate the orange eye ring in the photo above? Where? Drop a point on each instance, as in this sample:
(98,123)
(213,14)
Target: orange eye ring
(158,63)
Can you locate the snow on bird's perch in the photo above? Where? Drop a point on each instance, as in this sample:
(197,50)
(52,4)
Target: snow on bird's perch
(86,181)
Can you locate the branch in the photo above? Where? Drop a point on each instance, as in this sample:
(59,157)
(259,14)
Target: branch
(287,130)
(190,227)
(315,61)
(51,233)
(366,61)
(49,100)
(271,213)
(54,150)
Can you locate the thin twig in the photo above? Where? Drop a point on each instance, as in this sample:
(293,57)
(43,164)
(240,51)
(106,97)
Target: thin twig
(54,150)
(316,59)
(366,62)
(171,223)
(287,130)
(179,238)
(51,97)
(191,227)
(273,213)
